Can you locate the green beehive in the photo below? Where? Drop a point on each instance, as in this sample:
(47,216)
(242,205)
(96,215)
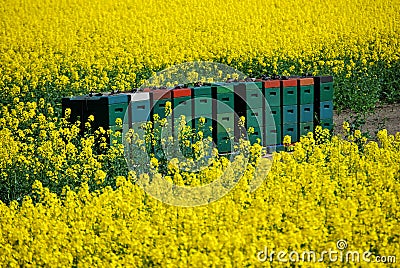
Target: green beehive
(224,142)
(158,101)
(289,114)
(254,118)
(181,102)
(289,92)
(207,127)
(327,123)
(202,91)
(223,95)
(202,105)
(324,101)
(305,87)
(182,106)
(273,135)
(289,96)
(256,135)
(225,122)
(326,110)
(326,91)
(323,86)
(273,115)
(159,107)
(247,96)
(259,84)
(253,96)
(306,112)
(272,93)
(305,127)
(202,101)
(306,94)
(290,130)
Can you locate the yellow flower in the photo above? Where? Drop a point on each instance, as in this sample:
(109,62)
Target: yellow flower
(287,140)
(328,188)
(67,113)
(118,122)
(202,120)
(357,134)
(346,126)
(168,109)
(154,162)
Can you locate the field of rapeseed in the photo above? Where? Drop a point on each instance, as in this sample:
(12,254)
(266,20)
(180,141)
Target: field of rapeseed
(51,49)
(68,200)
(327,189)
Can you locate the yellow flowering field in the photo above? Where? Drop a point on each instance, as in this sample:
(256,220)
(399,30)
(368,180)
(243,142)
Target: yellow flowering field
(73,203)
(55,48)
(70,200)
(327,189)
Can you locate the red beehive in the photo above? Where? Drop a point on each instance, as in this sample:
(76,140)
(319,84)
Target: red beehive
(306,81)
(181,92)
(271,83)
(289,83)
